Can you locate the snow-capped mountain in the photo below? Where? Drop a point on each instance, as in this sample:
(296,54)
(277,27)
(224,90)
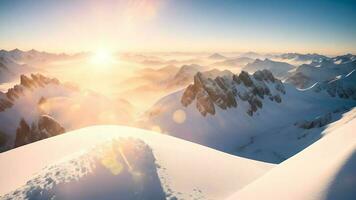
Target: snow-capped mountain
(308,74)
(255,116)
(279,69)
(30,57)
(343,86)
(107,162)
(344,59)
(149,87)
(186,74)
(40,107)
(302,57)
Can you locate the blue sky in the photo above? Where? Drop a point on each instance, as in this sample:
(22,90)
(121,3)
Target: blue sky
(321,26)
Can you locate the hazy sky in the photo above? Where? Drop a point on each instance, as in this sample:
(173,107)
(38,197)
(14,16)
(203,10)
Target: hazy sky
(321,26)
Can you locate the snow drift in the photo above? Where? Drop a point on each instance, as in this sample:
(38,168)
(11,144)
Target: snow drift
(103,162)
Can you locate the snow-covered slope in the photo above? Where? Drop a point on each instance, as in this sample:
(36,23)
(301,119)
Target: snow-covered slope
(254,116)
(343,86)
(324,171)
(328,69)
(279,69)
(107,162)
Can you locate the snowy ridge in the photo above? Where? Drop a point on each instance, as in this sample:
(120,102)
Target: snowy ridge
(129,162)
(325,70)
(302,57)
(342,86)
(138,164)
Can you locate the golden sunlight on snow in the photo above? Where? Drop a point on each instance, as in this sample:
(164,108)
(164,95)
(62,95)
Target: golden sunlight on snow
(156,129)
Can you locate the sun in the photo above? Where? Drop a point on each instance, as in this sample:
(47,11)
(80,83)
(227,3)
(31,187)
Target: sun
(102,57)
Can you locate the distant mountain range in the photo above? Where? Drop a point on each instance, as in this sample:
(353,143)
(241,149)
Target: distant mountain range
(325,70)
(279,69)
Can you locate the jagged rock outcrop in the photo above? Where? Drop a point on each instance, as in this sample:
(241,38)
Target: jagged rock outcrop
(26,83)
(315,123)
(225,92)
(23,134)
(3,138)
(44,128)
(49,126)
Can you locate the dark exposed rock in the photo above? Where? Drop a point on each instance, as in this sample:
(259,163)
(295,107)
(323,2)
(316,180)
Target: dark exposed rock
(3,138)
(280,87)
(277,98)
(22,134)
(5,103)
(26,81)
(204,103)
(317,122)
(225,92)
(44,128)
(236,79)
(245,78)
(50,126)
(189,95)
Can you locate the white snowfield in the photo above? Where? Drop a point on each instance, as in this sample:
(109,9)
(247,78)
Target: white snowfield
(324,171)
(104,162)
(107,162)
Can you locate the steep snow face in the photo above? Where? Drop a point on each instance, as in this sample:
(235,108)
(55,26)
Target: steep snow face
(326,70)
(244,118)
(343,86)
(279,69)
(104,162)
(324,171)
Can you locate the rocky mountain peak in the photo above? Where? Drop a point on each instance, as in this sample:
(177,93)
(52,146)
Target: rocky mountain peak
(45,127)
(226,92)
(26,83)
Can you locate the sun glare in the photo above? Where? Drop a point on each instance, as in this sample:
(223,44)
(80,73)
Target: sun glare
(102,57)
